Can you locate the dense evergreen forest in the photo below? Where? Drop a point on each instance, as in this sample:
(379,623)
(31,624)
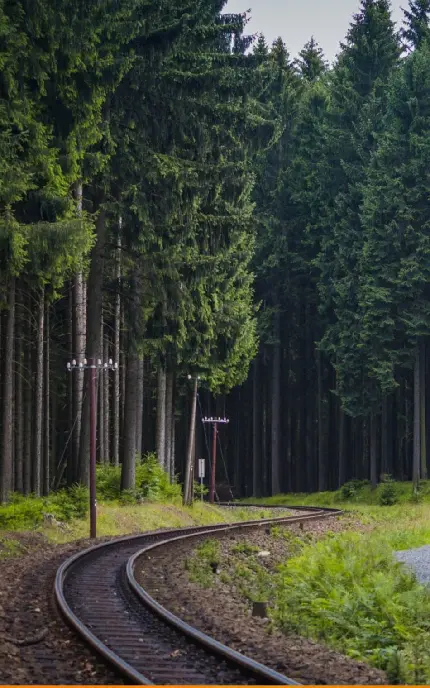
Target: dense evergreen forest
(185,200)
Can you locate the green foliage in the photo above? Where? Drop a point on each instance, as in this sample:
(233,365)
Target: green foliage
(199,490)
(203,563)
(388,495)
(152,483)
(28,512)
(347,591)
(352,488)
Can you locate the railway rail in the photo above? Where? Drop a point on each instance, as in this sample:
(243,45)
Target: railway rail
(99,597)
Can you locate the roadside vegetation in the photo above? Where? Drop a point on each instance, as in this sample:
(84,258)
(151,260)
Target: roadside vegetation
(343,589)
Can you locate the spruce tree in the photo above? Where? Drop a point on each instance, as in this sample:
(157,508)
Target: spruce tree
(311,64)
(416,23)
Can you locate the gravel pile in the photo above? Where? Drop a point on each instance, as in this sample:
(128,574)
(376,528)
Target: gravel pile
(418,560)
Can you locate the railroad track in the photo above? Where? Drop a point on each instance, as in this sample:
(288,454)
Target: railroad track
(98,595)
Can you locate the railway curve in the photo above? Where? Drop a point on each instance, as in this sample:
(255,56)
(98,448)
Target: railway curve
(99,597)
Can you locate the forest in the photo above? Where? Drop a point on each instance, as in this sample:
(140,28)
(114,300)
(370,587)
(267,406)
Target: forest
(193,204)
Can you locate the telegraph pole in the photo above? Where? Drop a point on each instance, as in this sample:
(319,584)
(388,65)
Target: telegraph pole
(93,365)
(215,422)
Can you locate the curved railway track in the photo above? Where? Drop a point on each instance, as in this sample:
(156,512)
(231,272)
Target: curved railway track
(98,595)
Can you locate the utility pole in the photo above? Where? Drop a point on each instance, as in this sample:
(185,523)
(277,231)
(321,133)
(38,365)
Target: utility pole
(93,365)
(191,441)
(215,422)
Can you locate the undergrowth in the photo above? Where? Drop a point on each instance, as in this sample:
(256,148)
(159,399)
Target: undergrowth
(202,564)
(355,493)
(69,504)
(348,592)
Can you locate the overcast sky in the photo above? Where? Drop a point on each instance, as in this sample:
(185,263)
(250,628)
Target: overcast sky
(297,20)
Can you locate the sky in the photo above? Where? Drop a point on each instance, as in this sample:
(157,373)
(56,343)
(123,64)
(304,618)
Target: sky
(297,20)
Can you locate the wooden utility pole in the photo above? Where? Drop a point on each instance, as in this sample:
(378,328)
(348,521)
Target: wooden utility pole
(93,365)
(191,441)
(215,422)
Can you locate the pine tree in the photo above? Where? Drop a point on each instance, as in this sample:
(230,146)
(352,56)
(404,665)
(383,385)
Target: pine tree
(311,64)
(416,20)
(367,59)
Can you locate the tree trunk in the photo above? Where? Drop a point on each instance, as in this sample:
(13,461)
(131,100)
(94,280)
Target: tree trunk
(6,484)
(374,449)
(161,416)
(47,437)
(38,400)
(19,411)
(128,473)
(169,418)
(139,406)
(72,468)
(101,400)
(190,448)
(322,467)
(106,403)
(79,330)
(256,429)
(28,402)
(276,407)
(423,424)
(116,390)
(94,313)
(417,418)
(342,449)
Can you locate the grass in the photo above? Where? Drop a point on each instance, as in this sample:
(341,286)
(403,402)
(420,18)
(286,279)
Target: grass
(349,592)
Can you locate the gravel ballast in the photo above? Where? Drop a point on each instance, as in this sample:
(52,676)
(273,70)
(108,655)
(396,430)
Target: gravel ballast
(418,560)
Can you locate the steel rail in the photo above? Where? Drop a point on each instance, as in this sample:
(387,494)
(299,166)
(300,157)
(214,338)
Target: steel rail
(135,546)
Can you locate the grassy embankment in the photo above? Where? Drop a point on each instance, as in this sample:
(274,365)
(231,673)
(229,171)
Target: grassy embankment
(347,590)
(63,517)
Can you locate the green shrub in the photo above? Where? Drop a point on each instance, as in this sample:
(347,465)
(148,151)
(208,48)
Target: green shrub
(352,488)
(152,483)
(203,563)
(349,592)
(388,493)
(199,490)
(27,512)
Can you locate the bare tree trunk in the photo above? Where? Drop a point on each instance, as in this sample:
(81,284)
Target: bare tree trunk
(39,400)
(123,372)
(47,421)
(106,402)
(6,473)
(139,406)
(128,473)
(101,400)
(28,399)
(374,449)
(190,448)
(79,355)
(423,424)
(322,465)
(161,416)
(116,353)
(169,418)
(94,313)
(342,448)
(71,458)
(19,418)
(276,407)
(173,443)
(417,418)
(256,429)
